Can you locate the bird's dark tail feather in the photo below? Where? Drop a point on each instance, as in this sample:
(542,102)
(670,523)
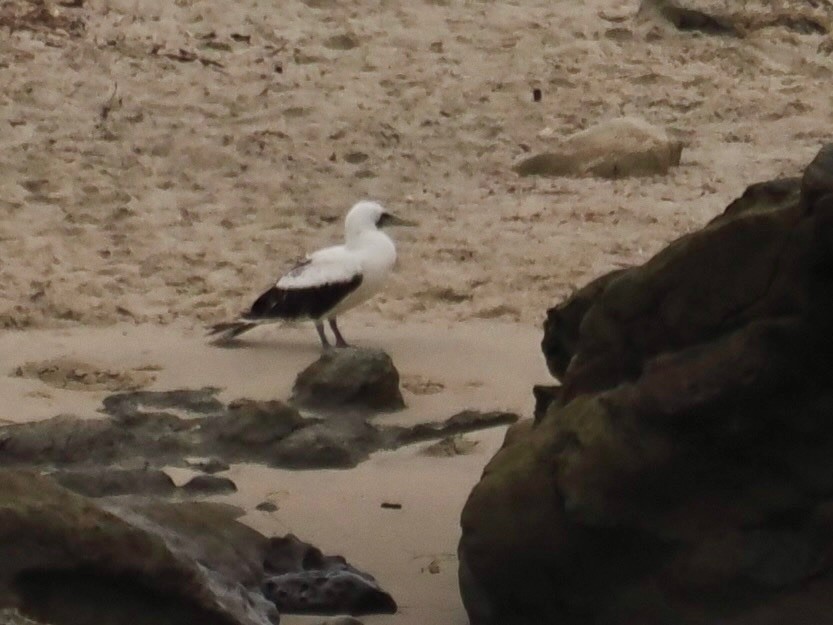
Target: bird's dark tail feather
(229,330)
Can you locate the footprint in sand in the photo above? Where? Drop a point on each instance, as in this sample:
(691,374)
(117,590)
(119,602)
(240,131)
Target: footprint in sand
(66,373)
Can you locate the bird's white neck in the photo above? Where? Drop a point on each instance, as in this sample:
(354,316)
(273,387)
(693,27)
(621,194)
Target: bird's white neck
(374,246)
(361,237)
(356,232)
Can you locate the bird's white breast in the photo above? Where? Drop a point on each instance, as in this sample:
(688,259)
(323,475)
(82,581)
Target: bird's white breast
(377,255)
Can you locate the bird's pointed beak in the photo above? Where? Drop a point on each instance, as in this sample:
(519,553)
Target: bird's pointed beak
(389,219)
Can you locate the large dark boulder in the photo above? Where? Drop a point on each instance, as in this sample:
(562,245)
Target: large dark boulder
(69,560)
(60,553)
(683,474)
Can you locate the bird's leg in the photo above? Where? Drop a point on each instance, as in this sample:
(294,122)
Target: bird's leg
(340,342)
(319,326)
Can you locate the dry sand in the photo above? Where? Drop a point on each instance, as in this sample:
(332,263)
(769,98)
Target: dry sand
(133,215)
(204,182)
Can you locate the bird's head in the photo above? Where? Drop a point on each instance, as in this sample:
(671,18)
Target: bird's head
(367,215)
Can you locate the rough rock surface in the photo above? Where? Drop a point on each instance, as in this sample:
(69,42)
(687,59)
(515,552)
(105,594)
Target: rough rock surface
(109,482)
(55,566)
(157,563)
(730,17)
(364,379)
(684,473)
(172,427)
(612,149)
(304,580)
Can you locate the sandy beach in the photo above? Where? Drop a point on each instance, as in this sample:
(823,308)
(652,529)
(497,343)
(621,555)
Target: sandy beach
(448,368)
(163,162)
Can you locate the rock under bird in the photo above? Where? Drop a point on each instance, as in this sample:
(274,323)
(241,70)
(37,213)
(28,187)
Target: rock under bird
(330,281)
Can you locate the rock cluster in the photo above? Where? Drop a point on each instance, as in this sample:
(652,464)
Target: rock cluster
(99,518)
(169,427)
(683,472)
(159,563)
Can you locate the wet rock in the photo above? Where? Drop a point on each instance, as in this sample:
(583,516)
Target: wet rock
(684,474)
(330,592)
(364,379)
(272,433)
(249,423)
(544,396)
(56,567)
(460,423)
(450,446)
(157,562)
(325,446)
(106,482)
(207,465)
(66,440)
(209,485)
(303,580)
(561,330)
(612,149)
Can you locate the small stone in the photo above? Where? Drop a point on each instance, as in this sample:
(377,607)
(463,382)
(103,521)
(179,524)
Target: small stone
(450,446)
(207,465)
(434,567)
(266,506)
(210,485)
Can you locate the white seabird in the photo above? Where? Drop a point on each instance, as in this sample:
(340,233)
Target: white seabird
(330,281)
